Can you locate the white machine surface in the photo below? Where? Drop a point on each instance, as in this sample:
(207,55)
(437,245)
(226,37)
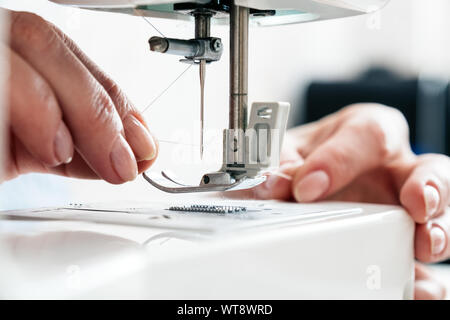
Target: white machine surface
(290,11)
(272,250)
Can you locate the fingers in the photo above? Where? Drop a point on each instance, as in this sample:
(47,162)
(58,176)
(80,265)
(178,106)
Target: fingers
(88,110)
(278,185)
(21,161)
(369,138)
(432,239)
(279,182)
(35,116)
(426,192)
(427,287)
(426,196)
(144,146)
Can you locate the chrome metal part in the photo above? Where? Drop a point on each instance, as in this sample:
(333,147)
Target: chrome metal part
(239,20)
(161,182)
(201,208)
(249,146)
(193,50)
(202,71)
(202,47)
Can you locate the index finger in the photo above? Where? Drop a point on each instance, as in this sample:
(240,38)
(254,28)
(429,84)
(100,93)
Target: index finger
(370,138)
(144,146)
(88,110)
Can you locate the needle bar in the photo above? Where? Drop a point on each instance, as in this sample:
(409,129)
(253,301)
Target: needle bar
(202,68)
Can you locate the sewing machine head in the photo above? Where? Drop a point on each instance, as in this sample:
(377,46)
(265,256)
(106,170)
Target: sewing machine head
(262,12)
(250,146)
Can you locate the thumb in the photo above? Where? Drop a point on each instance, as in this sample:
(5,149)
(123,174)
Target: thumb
(279,182)
(352,151)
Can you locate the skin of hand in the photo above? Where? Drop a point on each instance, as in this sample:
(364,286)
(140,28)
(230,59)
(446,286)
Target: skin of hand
(66,116)
(362,154)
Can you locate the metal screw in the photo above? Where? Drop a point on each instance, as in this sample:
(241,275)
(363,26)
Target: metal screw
(158,44)
(235,145)
(216,45)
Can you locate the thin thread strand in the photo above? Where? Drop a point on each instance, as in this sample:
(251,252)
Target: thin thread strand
(148,21)
(166,89)
(179,143)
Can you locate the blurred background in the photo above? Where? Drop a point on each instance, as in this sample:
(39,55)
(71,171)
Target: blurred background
(399,57)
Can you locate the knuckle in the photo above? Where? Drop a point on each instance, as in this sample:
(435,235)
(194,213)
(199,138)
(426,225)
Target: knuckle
(111,87)
(119,99)
(437,168)
(371,132)
(33,30)
(361,109)
(379,135)
(378,111)
(386,127)
(102,111)
(113,91)
(399,119)
(354,108)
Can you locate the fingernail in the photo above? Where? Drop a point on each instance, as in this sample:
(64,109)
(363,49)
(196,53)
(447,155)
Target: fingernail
(63,144)
(263,191)
(140,139)
(123,160)
(438,240)
(431,200)
(312,186)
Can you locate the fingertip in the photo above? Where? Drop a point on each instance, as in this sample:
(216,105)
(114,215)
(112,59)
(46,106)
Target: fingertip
(264,190)
(142,142)
(56,152)
(412,197)
(438,241)
(63,145)
(122,161)
(422,243)
(429,290)
(311,187)
(427,287)
(144,165)
(430,242)
(432,200)
(275,187)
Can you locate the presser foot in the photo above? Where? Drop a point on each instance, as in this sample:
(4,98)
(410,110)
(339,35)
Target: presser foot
(218,181)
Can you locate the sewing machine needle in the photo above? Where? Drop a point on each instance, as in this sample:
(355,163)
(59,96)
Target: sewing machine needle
(202,67)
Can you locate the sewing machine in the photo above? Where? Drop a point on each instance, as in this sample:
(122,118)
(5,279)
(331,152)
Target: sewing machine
(215,248)
(250,146)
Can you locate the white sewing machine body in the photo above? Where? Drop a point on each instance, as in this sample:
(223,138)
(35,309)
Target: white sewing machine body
(245,159)
(273,250)
(288,11)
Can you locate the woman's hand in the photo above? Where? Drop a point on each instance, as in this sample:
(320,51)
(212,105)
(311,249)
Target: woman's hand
(66,116)
(362,154)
